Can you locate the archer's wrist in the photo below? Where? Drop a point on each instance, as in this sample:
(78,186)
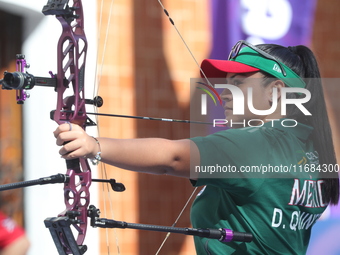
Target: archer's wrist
(96,156)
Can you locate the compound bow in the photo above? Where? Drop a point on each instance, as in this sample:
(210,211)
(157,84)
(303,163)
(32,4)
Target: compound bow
(71,59)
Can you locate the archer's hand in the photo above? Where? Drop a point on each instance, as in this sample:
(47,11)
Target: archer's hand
(75,142)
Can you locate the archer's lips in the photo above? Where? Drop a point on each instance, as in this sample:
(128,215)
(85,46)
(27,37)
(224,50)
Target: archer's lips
(226,108)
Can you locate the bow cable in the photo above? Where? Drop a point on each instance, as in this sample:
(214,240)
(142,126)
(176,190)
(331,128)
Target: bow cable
(98,75)
(199,67)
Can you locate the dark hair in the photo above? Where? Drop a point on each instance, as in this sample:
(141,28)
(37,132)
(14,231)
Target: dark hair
(303,62)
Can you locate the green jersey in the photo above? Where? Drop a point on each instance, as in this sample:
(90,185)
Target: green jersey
(277,201)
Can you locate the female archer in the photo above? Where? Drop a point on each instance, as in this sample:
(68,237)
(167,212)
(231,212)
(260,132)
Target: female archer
(279,205)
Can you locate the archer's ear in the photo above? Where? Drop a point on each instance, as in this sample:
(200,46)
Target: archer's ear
(278,84)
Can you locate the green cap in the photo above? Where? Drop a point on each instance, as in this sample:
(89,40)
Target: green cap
(249,60)
(252,58)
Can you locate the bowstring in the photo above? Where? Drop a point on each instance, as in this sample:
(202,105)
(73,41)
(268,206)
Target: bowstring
(106,189)
(177,219)
(184,42)
(206,78)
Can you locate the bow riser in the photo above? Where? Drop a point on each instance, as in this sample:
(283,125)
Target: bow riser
(68,229)
(77,199)
(72,50)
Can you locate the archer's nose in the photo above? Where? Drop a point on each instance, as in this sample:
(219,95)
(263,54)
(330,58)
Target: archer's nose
(226,95)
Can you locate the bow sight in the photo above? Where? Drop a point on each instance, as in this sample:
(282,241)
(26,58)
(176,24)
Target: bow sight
(21,81)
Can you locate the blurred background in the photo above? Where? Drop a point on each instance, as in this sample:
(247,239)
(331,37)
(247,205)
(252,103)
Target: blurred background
(141,67)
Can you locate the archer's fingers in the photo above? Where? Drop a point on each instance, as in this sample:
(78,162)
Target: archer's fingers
(65,127)
(74,149)
(64,135)
(62,128)
(70,155)
(68,149)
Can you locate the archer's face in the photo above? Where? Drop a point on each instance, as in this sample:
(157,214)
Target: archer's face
(261,97)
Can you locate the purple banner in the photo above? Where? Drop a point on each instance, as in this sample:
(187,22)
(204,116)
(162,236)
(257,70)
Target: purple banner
(281,22)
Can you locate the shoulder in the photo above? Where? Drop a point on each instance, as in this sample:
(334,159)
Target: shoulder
(242,135)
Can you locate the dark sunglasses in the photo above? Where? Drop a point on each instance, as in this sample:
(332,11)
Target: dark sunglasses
(238,46)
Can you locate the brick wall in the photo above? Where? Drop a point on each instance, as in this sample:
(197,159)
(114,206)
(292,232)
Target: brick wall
(147,73)
(326,45)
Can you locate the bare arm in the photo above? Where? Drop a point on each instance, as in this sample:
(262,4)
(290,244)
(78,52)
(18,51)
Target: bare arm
(149,155)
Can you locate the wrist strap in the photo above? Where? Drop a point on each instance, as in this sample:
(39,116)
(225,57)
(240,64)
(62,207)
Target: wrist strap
(98,157)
